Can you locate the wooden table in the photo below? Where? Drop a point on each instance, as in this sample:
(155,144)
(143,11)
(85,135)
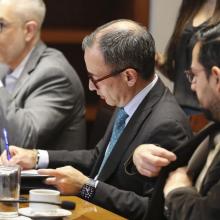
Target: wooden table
(87,211)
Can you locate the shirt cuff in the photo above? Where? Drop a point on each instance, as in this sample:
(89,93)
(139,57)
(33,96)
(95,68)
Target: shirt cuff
(43,159)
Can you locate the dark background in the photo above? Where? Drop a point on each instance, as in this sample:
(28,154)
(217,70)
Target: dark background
(68,21)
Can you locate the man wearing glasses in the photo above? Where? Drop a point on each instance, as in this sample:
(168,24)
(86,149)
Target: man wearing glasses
(119,57)
(193,192)
(41,96)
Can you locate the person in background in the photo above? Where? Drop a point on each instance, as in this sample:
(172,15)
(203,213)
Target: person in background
(193,193)
(41,96)
(120,58)
(193,15)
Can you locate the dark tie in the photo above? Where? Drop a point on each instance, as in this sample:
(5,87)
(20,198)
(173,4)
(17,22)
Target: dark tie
(119,126)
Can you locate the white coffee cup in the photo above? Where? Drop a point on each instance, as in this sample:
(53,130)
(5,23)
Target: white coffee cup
(45,195)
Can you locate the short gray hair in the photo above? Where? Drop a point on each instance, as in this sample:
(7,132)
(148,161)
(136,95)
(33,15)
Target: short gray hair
(28,9)
(128,45)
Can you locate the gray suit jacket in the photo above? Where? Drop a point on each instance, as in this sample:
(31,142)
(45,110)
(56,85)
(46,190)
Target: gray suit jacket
(46,108)
(158,120)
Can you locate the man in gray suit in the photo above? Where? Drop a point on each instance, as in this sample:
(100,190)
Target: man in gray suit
(119,57)
(41,96)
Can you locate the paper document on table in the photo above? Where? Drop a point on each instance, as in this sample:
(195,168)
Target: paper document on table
(31,179)
(31,173)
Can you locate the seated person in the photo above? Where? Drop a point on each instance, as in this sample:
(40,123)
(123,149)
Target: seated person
(41,96)
(119,57)
(193,193)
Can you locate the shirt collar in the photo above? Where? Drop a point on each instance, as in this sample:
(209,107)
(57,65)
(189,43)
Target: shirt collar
(131,107)
(19,69)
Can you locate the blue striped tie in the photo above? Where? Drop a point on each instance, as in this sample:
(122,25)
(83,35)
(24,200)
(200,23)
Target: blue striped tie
(119,126)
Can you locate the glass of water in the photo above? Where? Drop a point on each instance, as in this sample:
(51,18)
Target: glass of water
(9,190)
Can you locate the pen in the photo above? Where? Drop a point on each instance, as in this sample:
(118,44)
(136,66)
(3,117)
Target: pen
(5,136)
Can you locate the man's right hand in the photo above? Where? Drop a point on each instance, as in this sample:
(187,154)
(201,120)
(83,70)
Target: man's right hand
(20,156)
(149,159)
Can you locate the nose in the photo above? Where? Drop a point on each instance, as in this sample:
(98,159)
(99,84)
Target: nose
(91,86)
(193,87)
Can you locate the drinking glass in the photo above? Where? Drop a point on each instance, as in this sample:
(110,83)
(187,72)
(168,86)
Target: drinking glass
(9,190)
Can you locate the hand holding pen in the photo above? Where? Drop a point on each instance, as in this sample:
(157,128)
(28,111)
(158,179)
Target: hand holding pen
(5,136)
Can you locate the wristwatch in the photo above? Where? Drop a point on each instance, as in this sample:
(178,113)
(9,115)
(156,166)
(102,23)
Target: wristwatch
(88,189)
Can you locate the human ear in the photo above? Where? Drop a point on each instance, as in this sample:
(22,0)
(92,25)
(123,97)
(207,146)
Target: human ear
(215,71)
(130,76)
(31,28)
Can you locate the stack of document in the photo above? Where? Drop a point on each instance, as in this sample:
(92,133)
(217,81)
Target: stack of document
(30,179)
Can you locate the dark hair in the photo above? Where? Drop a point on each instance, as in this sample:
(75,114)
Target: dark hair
(187,11)
(130,46)
(209,54)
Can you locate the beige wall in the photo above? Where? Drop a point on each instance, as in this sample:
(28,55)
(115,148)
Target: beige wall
(162,19)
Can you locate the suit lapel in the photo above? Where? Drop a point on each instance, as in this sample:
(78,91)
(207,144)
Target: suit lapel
(29,67)
(3,71)
(183,153)
(213,175)
(198,159)
(131,130)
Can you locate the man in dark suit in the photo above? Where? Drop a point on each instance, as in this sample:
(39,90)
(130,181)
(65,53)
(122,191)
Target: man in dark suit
(119,58)
(194,192)
(41,96)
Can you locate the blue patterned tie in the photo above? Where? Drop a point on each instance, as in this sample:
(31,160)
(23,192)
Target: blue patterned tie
(119,126)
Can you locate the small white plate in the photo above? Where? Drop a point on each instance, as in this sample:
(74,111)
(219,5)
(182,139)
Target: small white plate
(22,218)
(17,218)
(48,214)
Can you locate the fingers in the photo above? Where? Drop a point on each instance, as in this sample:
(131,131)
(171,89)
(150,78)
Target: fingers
(163,154)
(155,160)
(152,154)
(49,172)
(149,172)
(149,159)
(4,159)
(51,181)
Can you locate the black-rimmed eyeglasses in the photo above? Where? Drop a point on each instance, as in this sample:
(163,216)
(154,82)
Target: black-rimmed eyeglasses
(190,73)
(113,73)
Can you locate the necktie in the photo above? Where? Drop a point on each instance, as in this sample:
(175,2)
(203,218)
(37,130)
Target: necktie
(118,127)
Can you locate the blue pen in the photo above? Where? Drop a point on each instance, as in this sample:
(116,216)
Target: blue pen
(6,143)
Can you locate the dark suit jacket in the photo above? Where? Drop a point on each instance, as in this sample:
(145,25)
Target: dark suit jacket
(187,203)
(46,108)
(158,120)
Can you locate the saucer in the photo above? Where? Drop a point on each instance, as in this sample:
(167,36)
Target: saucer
(22,218)
(48,214)
(18,218)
